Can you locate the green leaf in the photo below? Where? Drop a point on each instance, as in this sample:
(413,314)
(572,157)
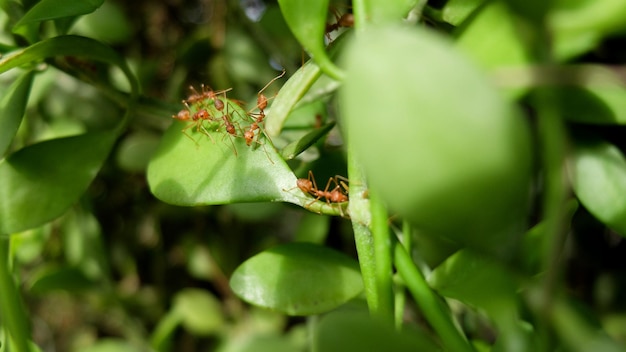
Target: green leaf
(53,9)
(579,25)
(492,49)
(484,283)
(604,104)
(294,89)
(289,95)
(12,107)
(199,311)
(298,279)
(62,278)
(598,174)
(386,11)
(346,330)
(454,159)
(220,169)
(535,11)
(39,182)
(307,21)
(295,148)
(69,45)
(456,11)
(213,167)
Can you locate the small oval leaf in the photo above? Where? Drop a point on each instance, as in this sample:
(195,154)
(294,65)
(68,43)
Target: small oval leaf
(39,182)
(298,279)
(199,311)
(598,173)
(12,109)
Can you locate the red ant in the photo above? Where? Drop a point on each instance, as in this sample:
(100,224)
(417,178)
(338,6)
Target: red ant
(226,117)
(204,94)
(344,21)
(338,194)
(197,120)
(261,104)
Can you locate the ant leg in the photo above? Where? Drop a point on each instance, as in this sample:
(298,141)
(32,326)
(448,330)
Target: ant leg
(184,130)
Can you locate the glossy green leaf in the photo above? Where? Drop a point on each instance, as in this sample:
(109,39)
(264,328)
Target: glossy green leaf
(598,174)
(298,279)
(438,142)
(220,170)
(307,21)
(69,45)
(39,182)
(579,25)
(216,168)
(346,330)
(53,9)
(295,148)
(199,311)
(12,107)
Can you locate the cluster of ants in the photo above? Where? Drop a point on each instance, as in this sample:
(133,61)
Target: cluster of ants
(208,110)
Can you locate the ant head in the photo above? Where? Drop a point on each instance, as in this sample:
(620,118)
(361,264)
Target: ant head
(249,136)
(201,115)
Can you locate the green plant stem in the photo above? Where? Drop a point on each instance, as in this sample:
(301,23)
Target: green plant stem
(360,214)
(11,310)
(400,295)
(435,312)
(552,141)
(359,10)
(382,257)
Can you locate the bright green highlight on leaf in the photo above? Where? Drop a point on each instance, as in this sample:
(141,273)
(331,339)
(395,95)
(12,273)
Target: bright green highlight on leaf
(298,279)
(598,173)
